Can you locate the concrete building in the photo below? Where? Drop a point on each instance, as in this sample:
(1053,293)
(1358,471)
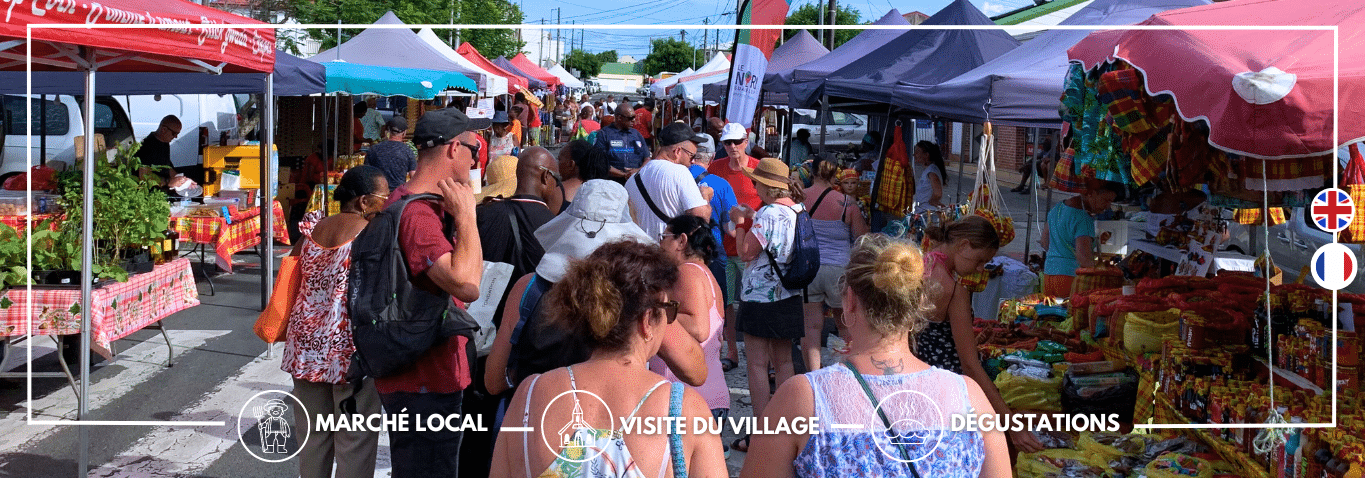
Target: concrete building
(621,77)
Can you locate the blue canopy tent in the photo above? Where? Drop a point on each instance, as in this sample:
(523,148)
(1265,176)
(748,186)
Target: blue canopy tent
(415,83)
(396,47)
(1022,87)
(294,76)
(925,56)
(506,64)
(807,82)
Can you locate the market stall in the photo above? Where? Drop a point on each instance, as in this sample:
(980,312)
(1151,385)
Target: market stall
(396,47)
(228,233)
(491,84)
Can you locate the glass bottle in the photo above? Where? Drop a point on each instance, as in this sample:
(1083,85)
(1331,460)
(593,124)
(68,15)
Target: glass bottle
(170,245)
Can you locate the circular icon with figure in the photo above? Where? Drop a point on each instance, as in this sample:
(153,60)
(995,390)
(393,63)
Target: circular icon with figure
(917,425)
(273,425)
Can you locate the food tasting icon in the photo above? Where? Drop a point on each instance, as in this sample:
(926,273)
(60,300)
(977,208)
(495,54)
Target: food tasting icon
(908,426)
(1332,210)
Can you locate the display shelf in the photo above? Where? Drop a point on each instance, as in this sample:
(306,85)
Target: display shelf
(1291,377)
(1246,466)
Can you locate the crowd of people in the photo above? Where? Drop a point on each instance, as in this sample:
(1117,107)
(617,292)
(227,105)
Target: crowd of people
(637,261)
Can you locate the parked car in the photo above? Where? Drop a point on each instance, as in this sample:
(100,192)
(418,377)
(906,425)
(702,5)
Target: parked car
(215,113)
(841,129)
(61,116)
(1293,244)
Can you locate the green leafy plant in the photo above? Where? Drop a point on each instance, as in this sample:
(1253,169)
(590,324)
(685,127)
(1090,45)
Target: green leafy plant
(130,213)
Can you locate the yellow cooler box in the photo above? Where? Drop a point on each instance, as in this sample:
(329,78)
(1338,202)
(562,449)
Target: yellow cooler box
(245,159)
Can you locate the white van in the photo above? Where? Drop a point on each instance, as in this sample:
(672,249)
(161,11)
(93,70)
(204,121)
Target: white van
(216,113)
(61,114)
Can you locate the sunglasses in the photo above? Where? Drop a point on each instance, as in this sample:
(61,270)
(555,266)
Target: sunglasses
(733,142)
(382,197)
(667,235)
(473,149)
(670,310)
(553,174)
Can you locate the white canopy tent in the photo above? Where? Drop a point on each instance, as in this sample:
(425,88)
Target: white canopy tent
(564,76)
(660,88)
(490,84)
(716,69)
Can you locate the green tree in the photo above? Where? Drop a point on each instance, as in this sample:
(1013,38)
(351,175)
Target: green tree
(608,56)
(668,54)
(491,43)
(586,63)
(808,15)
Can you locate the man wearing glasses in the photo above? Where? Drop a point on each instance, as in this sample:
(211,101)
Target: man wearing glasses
(664,188)
(625,147)
(156,148)
(446,150)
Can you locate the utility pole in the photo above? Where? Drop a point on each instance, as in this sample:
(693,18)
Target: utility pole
(684,35)
(705,34)
(820,20)
(833,20)
(540,41)
(559,38)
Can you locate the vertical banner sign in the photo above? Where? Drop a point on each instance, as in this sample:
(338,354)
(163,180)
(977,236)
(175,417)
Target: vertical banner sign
(750,60)
(746,83)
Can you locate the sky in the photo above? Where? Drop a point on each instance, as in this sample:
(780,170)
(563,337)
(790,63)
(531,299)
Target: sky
(690,12)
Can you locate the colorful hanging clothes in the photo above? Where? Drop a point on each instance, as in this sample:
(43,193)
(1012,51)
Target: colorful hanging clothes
(894,192)
(1292,174)
(1254,217)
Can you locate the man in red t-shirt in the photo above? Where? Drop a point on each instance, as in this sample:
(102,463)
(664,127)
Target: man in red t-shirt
(734,140)
(644,121)
(446,149)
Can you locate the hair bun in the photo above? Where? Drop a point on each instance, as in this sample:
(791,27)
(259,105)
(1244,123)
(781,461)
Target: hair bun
(899,268)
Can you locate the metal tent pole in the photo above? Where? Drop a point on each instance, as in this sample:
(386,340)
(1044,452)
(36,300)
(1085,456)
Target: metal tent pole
(87,257)
(824,113)
(266,134)
(1033,191)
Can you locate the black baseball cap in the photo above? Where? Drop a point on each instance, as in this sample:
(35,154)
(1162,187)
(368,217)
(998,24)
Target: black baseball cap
(442,126)
(397,123)
(676,133)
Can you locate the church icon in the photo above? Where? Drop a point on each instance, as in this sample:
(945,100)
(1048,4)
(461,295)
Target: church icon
(569,436)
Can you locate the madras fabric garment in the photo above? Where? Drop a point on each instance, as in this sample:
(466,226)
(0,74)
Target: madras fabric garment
(1146,122)
(1254,216)
(1064,176)
(1355,233)
(1292,174)
(1191,154)
(894,192)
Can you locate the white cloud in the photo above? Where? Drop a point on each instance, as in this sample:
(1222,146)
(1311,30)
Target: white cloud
(992,8)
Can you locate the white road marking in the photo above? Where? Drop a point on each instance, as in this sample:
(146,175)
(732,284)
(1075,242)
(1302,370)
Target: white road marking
(139,363)
(178,450)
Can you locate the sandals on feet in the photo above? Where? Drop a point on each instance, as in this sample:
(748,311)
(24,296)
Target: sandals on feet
(735,445)
(727,364)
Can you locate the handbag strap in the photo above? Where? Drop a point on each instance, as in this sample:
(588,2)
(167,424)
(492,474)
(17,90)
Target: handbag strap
(816,206)
(644,192)
(882,413)
(675,444)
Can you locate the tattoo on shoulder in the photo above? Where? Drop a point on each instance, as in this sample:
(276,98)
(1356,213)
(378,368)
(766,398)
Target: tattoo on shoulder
(890,365)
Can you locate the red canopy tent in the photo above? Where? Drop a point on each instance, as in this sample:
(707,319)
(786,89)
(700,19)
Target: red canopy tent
(470,53)
(175,46)
(525,64)
(172,48)
(1225,77)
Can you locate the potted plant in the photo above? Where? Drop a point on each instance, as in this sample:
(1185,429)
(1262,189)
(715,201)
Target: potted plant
(130,214)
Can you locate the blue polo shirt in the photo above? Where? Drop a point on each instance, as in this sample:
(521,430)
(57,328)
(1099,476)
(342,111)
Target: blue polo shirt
(625,149)
(722,199)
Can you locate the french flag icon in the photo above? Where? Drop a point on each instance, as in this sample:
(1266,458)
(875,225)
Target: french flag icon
(1334,266)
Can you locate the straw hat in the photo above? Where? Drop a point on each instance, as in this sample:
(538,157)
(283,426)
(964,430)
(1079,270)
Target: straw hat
(770,172)
(502,178)
(598,215)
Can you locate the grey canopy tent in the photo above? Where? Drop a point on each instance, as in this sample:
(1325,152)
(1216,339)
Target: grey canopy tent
(807,82)
(1022,87)
(923,55)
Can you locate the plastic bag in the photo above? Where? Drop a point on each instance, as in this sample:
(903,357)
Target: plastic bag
(1176,465)
(1024,393)
(1060,462)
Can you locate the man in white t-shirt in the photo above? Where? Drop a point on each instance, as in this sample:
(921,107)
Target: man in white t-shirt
(666,183)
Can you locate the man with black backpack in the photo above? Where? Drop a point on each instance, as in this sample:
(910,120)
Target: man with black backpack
(441,264)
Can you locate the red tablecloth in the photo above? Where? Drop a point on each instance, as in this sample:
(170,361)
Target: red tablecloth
(228,239)
(20,223)
(119,308)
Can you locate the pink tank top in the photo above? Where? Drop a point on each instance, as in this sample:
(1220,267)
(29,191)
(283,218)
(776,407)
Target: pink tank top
(715,391)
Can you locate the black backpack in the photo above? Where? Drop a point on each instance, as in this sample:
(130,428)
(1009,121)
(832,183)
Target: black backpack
(394,323)
(804,262)
(538,347)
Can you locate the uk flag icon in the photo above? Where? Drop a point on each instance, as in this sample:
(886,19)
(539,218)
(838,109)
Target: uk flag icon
(1332,210)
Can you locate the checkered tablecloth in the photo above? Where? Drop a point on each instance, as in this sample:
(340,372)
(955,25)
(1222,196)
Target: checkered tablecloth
(20,223)
(228,239)
(118,309)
